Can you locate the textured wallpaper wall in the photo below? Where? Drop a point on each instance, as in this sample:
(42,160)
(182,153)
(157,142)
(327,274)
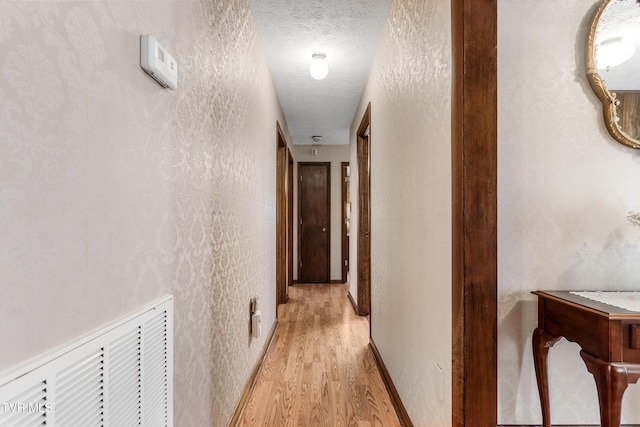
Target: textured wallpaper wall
(410,89)
(114,191)
(564,189)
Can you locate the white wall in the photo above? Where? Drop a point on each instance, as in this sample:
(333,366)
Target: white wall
(336,154)
(114,191)
(564,189)
(410,89)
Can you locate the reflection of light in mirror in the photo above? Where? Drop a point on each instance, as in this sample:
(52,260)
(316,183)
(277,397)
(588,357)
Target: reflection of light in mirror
(612,52)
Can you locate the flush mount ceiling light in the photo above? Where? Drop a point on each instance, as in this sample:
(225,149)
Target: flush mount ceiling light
(612,52)
(317,139)
(319,67)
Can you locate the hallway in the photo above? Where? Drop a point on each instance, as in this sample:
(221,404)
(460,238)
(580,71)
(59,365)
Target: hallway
(319,370)
(117,192)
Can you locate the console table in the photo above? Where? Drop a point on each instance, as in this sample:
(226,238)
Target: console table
(610,340)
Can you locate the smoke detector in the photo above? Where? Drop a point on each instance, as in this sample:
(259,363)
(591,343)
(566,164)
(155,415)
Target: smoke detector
(317,139)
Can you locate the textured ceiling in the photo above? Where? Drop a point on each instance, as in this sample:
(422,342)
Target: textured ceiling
(348,32)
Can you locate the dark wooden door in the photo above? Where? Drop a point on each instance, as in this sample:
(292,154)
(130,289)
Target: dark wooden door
(314,224)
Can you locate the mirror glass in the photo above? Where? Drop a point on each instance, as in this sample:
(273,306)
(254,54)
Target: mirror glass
(613,62)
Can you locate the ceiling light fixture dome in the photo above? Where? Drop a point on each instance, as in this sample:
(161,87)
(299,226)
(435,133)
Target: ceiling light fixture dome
(319,67)
(613,52)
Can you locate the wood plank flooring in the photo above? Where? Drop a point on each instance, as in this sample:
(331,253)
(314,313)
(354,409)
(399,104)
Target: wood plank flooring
(319,370)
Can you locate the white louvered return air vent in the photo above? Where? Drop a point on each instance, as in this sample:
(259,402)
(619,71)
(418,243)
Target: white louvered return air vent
(121,376)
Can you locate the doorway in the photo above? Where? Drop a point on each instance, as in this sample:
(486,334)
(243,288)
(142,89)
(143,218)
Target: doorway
(314,226)
(346,219)
(364,214)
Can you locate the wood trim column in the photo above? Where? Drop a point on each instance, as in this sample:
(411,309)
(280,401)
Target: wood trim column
(474,157)
(364,214)
(290,219)
(281,216)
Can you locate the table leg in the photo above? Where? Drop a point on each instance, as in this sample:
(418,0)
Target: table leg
(542,341)
(611,381)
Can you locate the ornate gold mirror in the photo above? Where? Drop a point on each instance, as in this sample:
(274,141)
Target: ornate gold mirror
(613,67)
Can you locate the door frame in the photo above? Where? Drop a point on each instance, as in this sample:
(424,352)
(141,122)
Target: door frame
(344,234)
(364,213)
(328,166)
(290,219)
(281,217)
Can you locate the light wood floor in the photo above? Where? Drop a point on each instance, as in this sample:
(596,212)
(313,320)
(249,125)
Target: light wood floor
(319,370)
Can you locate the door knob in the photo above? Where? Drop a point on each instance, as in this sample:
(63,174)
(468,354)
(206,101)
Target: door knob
(324,229)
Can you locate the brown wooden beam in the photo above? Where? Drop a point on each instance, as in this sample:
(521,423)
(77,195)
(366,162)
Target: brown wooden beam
(474,157)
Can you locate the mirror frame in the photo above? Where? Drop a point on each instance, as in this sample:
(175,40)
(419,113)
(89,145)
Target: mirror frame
(608,99)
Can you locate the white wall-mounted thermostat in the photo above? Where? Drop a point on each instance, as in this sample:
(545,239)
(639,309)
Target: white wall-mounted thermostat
(157,62)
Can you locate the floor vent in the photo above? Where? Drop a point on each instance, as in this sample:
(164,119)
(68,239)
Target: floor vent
(120,376)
